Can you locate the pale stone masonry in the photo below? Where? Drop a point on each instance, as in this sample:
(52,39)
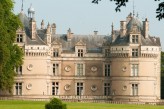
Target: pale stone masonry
(122,66)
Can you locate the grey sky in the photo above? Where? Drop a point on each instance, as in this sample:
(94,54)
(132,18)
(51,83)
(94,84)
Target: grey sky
(83,17)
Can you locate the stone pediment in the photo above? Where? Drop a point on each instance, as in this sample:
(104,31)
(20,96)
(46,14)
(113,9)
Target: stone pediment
(56,42)
(80,43)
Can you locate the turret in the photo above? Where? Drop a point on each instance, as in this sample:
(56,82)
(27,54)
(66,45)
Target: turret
(31,14)
(146,28)
(48,34)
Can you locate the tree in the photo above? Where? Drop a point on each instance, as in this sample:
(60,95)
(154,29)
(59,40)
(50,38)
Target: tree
(10,54)
(162,63)
(120,3)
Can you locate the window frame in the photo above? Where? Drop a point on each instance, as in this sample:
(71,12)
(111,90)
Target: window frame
(107,89)
(134,88)
(19,38)
(80,53)
(134,69)
(18,88)
(107,69)
(55,69)
(55,88)
(135,52)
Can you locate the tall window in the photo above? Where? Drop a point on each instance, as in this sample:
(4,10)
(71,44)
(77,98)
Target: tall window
(79,88)
(80,69)
(134,89)
(56,53)
(107,52)
(106,89)
(55,69)
(134,70)
(134,38)
(134,52)
(18,88)
(19,70)
(55,88)
(107,69)
(80,52)
(19,38)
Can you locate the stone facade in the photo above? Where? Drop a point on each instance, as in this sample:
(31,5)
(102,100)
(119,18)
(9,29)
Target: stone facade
(122,66)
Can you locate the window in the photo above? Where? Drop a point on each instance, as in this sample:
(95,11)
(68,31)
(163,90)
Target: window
(106,89)
(18,88)
(134,52)
(80,52)
(55,88)
(134,70)
(19,38)
(80,69)
(19,70)
(79,88)
(55,69)
(134,38)
(107,52)
(107,69)
(56,53)
(134,89)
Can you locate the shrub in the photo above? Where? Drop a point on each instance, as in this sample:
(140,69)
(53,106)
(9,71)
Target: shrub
(55,104)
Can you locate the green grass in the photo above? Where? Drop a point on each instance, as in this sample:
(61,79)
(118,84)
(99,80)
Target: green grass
(40,105)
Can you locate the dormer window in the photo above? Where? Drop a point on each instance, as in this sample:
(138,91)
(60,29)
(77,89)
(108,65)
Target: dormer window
(19,38)
(56,53)
(80,53)
(134,38)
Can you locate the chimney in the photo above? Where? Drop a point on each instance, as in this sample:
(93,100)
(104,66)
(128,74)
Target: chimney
(112,33)
(69,35)
(53,28)
(42,24)
(33,29)
(48,29)
(95,33)
(146,28)
(122,28)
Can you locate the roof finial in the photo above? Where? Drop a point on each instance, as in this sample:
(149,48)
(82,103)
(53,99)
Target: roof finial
(133,9)
(22,7)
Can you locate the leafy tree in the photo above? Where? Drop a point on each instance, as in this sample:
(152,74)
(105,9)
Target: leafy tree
(10,54)
(162,63)
(120,3)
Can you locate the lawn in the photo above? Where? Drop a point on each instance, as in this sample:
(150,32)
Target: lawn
(40,105)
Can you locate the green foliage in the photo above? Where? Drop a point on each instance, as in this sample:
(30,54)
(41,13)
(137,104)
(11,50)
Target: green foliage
(120,3)
(10,54)
(55,104)
(162,63)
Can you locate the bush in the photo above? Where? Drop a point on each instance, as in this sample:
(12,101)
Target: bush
(55,104)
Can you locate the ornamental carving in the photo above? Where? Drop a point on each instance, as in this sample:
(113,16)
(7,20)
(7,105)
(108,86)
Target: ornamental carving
(67,68)
(67,87)
(94,68)
(29,86)
(30,67)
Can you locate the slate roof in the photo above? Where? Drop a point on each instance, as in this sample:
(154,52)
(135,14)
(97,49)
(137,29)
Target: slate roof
(94,43)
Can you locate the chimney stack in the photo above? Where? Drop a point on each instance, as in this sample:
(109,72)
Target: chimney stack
(146,28)
(122,28)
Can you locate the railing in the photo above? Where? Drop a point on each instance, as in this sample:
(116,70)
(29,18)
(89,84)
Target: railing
(93,99)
